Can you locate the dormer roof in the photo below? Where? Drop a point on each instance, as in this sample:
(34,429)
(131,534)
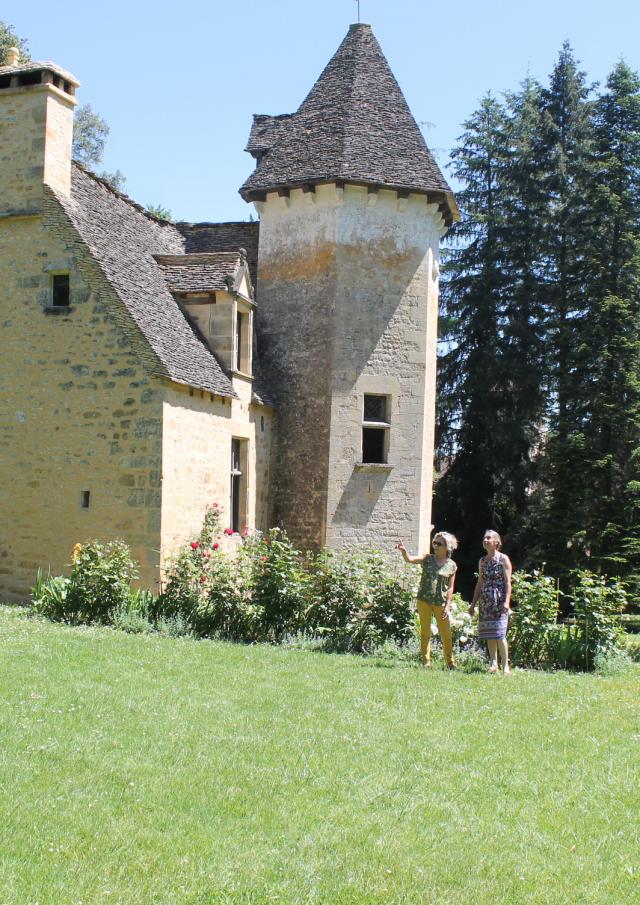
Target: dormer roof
(223,271)
(353,126)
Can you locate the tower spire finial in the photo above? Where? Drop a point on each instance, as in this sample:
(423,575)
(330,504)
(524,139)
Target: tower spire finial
(358,2)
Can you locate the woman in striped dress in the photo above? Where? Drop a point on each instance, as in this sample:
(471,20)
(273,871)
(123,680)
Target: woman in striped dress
(493,591)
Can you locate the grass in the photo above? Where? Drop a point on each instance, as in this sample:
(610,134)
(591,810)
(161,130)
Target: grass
(145,770)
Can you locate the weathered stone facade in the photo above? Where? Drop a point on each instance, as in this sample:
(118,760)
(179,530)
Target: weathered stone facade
(352,273)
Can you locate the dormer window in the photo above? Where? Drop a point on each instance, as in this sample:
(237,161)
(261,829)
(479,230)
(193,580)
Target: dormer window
(242,338)
(60,290)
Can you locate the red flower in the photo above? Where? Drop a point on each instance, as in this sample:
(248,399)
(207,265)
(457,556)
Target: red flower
(215,505)
(216,546)
(202,579)
(264,558)
(229,531)
(194,544)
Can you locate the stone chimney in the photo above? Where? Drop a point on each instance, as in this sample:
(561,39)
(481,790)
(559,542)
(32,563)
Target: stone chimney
(36,131)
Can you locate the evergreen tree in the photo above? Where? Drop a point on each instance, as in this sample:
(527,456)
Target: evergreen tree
(566,168)
(470,383)
(612,479)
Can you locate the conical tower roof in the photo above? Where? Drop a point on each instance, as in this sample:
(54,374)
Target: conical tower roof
(354,126)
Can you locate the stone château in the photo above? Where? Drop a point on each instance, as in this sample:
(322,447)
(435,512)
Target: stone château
(284,368)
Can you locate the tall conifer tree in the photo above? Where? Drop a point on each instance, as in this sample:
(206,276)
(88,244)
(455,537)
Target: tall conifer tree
(470,385)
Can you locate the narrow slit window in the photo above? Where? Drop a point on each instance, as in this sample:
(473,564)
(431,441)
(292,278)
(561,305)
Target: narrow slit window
(85,499)
(375,430)
(238,501)
(60,290)
(239,332)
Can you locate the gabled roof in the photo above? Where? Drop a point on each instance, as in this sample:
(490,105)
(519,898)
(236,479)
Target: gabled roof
(123,240)
(222,271)
(353,126)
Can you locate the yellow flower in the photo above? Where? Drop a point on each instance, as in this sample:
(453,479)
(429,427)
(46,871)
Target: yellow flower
(75,553)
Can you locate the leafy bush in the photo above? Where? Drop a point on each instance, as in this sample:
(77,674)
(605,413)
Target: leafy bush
(99,583)
(135,614)
(356,603)
(277,583)
(597,607)
(191,572)
(535,612)
(50,596)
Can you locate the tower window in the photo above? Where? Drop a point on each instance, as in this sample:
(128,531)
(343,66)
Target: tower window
(60,291)
(85,499)
(375,429)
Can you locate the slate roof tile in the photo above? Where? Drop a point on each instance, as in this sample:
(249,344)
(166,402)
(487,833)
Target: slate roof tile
(123,241)
(354,126)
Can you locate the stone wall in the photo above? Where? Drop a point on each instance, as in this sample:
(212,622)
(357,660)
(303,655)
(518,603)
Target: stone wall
(197,434)
(348,306)
(80,413)
(36,125)
(297,278)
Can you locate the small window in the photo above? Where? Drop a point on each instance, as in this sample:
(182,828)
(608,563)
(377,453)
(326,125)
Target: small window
(375,429)
(60,293)
(85,499)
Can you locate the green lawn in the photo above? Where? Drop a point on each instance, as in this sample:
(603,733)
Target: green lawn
(143,769)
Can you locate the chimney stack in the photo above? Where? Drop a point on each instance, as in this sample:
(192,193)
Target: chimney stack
(36,131)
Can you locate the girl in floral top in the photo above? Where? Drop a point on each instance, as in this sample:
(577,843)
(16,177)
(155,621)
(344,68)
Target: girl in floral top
(435,593)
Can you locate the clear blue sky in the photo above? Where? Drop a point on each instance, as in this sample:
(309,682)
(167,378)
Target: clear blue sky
(178,83)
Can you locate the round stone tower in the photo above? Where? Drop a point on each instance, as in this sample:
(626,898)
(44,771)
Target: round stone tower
(352,207)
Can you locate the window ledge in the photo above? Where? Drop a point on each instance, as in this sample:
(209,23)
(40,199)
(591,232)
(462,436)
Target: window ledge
(373,466)
(58,309)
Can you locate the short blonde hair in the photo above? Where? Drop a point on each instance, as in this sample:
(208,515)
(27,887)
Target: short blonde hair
(449,539)
(496,537)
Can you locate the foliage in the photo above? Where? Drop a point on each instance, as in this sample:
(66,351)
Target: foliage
(8,38)
(90,133)
(99,584)
(597,606)
(133,615)
(158,210)
(276,582)
(534,615)
(191,572)
(540,354)
(50,595)
(356,602)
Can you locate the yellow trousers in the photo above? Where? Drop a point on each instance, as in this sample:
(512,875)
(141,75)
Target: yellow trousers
(426,611)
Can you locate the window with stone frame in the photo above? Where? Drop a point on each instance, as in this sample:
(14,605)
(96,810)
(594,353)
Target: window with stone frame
(375,429)
(60,290)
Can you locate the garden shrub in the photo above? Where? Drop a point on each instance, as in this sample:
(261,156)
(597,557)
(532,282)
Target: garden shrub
(134,615)
(597,606)
(534,614)
(99,583)
(273,577)
(191,572)
(356,603)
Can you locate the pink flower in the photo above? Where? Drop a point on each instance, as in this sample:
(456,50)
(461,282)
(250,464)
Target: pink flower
(245,531)
(264,558)
(206,554)
(216,546)
(194,544)
(202,579)
(215,505)
(229,531)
